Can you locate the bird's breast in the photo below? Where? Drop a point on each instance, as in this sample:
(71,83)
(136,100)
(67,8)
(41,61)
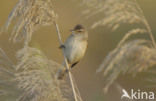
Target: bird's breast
(75,50)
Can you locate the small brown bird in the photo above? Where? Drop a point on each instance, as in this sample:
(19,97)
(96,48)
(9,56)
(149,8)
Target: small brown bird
(74,47)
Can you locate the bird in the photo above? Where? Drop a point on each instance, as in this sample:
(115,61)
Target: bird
(74,48)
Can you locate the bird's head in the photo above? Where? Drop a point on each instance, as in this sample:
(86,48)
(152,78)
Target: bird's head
(78,28)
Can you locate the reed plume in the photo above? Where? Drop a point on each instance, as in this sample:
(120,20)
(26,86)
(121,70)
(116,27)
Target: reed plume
(129,56)
(133,57)
(8,88)
(32,79)
(118,12)
(36,77)
(27,16)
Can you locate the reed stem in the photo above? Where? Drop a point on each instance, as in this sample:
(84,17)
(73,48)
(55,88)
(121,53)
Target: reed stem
(66,63)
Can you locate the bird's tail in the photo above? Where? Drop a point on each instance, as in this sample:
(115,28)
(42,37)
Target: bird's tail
(61,73)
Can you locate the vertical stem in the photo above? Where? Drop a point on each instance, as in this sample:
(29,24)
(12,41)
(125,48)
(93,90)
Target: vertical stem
(66,63)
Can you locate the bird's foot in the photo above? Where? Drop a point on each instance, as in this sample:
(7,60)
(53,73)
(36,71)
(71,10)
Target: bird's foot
(62,46)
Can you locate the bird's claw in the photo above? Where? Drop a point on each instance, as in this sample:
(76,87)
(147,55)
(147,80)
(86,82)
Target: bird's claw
(62,46)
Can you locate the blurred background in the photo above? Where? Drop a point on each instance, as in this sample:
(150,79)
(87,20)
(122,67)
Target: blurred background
(101,41)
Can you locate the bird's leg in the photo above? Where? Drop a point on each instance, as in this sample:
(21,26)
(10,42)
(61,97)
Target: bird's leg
(74,64)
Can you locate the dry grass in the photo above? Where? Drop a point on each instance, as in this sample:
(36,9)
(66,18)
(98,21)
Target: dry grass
(28,15)
(36,77)
(130,56)
(118,12)
(32,79)
(8,88)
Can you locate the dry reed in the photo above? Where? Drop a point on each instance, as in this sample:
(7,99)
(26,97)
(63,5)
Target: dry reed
(130,56)
(133,57)
(28,15)
(35,74)
(32,79)
(118,12)
(36,77)
(8,88)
